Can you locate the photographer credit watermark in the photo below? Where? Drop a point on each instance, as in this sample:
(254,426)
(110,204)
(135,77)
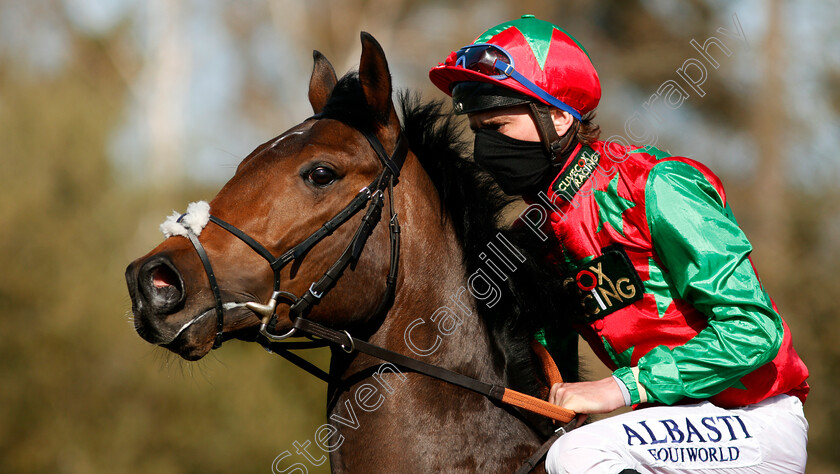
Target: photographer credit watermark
(501,258)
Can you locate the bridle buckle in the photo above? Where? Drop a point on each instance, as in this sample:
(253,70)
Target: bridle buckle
(317,294)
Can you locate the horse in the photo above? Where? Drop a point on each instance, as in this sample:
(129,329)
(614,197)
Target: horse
(465,293)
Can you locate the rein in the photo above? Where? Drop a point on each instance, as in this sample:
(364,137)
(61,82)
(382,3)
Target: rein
(372,197)
(351,344)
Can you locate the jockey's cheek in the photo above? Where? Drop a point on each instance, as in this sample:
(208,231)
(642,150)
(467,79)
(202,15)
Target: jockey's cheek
(514,122)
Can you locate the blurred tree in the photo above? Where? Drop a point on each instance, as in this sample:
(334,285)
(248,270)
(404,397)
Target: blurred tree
(770,195)
(166,77)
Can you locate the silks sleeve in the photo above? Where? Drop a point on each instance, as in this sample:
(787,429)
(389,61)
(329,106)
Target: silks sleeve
(698,240)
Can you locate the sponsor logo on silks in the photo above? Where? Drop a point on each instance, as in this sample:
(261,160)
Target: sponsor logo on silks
(579,170)
(609,283)
(694,442)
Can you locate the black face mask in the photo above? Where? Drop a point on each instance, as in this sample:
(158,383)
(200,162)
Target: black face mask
(518,166)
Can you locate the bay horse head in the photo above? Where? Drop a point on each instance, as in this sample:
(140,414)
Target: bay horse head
(297,234)
(279,198)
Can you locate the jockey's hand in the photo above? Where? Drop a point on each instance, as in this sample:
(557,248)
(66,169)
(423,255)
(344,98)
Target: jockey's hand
(600,396)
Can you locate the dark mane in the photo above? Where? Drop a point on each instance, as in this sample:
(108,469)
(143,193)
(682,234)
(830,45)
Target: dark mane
(534,295)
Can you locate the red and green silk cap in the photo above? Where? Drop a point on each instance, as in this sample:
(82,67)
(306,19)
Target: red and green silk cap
(542,52)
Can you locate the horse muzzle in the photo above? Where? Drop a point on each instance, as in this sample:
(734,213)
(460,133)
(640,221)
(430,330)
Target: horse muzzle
(157,292)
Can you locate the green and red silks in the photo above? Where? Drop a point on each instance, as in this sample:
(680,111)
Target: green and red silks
(667,279)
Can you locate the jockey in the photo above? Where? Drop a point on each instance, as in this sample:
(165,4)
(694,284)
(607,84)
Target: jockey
(673,304)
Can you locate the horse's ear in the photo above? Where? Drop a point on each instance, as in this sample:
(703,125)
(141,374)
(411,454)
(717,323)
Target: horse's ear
(376,79)
(321,83)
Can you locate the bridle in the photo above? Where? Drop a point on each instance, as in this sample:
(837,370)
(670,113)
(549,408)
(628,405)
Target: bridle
(372,197)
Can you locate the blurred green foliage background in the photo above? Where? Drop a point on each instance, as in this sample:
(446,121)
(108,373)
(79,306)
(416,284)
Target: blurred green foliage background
(113,113)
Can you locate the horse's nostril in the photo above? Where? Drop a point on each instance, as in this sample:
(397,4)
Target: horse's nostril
(164,277)
(161,285)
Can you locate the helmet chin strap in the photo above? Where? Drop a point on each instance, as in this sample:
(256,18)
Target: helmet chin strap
(557,147)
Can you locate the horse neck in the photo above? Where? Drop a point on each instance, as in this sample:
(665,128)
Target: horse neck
(420,422)
(434,316)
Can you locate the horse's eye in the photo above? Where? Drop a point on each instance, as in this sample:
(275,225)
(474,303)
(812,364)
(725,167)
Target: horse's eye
(322,176)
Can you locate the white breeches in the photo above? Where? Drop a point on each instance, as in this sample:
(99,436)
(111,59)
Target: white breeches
(767,437)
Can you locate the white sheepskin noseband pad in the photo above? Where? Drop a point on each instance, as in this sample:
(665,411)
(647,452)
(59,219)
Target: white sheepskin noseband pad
(197,216)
